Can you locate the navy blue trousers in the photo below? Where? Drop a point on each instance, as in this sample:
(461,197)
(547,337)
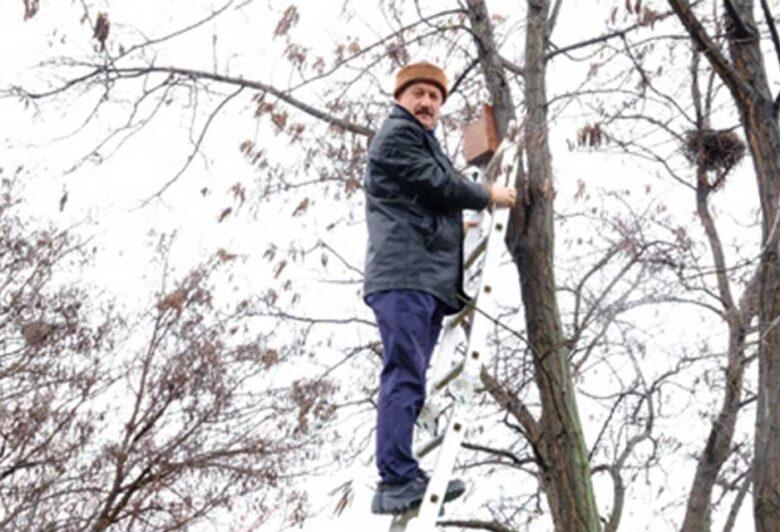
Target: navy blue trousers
(409,323)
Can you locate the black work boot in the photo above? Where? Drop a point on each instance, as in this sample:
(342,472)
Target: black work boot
(400,498)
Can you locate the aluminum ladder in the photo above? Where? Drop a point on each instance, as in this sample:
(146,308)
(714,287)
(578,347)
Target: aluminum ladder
(462,379)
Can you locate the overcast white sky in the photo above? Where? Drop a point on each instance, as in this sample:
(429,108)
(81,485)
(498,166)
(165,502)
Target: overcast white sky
(103,199)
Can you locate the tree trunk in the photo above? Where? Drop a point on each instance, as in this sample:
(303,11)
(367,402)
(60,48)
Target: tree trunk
(565,471)
(763,136)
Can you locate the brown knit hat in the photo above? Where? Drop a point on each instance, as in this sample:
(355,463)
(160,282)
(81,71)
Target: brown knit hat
(422,71)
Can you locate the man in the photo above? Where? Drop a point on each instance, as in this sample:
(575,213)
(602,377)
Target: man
(414,268)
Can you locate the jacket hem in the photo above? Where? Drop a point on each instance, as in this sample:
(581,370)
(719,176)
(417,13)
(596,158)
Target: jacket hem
(453,304)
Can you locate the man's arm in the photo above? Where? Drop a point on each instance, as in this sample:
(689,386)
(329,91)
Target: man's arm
(403,156)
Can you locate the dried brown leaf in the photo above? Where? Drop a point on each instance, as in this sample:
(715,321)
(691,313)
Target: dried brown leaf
(224,214)
(280,268)
(174,300)
(301,208)
(30,8)
(224,255)
(101,30)
(290,17)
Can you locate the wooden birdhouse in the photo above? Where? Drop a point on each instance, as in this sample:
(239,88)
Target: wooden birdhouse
(480,138)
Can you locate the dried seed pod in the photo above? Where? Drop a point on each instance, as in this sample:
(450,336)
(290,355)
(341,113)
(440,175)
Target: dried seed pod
(36,332)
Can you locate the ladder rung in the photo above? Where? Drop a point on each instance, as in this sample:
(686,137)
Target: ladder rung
(451,375)
(430,446)
(476,252)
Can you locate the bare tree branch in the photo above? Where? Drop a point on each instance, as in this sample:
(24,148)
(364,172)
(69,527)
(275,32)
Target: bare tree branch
(201,75)
(739,88)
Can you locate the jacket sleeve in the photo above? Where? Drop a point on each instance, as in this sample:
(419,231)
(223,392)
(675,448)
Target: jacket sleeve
(404,156)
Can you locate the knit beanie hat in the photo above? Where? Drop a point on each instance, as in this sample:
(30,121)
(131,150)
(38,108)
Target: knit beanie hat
(422,71)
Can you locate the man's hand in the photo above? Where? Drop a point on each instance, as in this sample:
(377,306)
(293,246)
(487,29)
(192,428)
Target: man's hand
(470,224)
(502,196)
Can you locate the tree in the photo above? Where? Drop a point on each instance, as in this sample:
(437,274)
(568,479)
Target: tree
(52,370)
(197,423)
(746,78)
(714,154)
(577,311)
(565,468)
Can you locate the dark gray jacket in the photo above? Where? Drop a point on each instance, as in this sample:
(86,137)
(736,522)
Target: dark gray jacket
(414,199)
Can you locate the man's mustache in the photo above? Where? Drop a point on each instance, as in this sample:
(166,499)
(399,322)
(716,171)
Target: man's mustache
(424,112)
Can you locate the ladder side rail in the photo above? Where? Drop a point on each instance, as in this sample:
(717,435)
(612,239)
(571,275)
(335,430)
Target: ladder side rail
(477,349)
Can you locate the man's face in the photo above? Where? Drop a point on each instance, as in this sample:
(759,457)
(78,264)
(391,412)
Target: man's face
(423,100)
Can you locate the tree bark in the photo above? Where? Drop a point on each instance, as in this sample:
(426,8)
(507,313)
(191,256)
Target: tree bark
(763,136)
(565,473)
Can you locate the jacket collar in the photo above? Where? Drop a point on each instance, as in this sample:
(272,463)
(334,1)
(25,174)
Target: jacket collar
(430,139)
(400,112)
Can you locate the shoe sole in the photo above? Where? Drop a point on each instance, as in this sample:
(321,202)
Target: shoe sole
(402,508)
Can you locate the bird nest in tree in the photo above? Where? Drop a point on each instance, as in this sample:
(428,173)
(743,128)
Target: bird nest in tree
(717,150)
